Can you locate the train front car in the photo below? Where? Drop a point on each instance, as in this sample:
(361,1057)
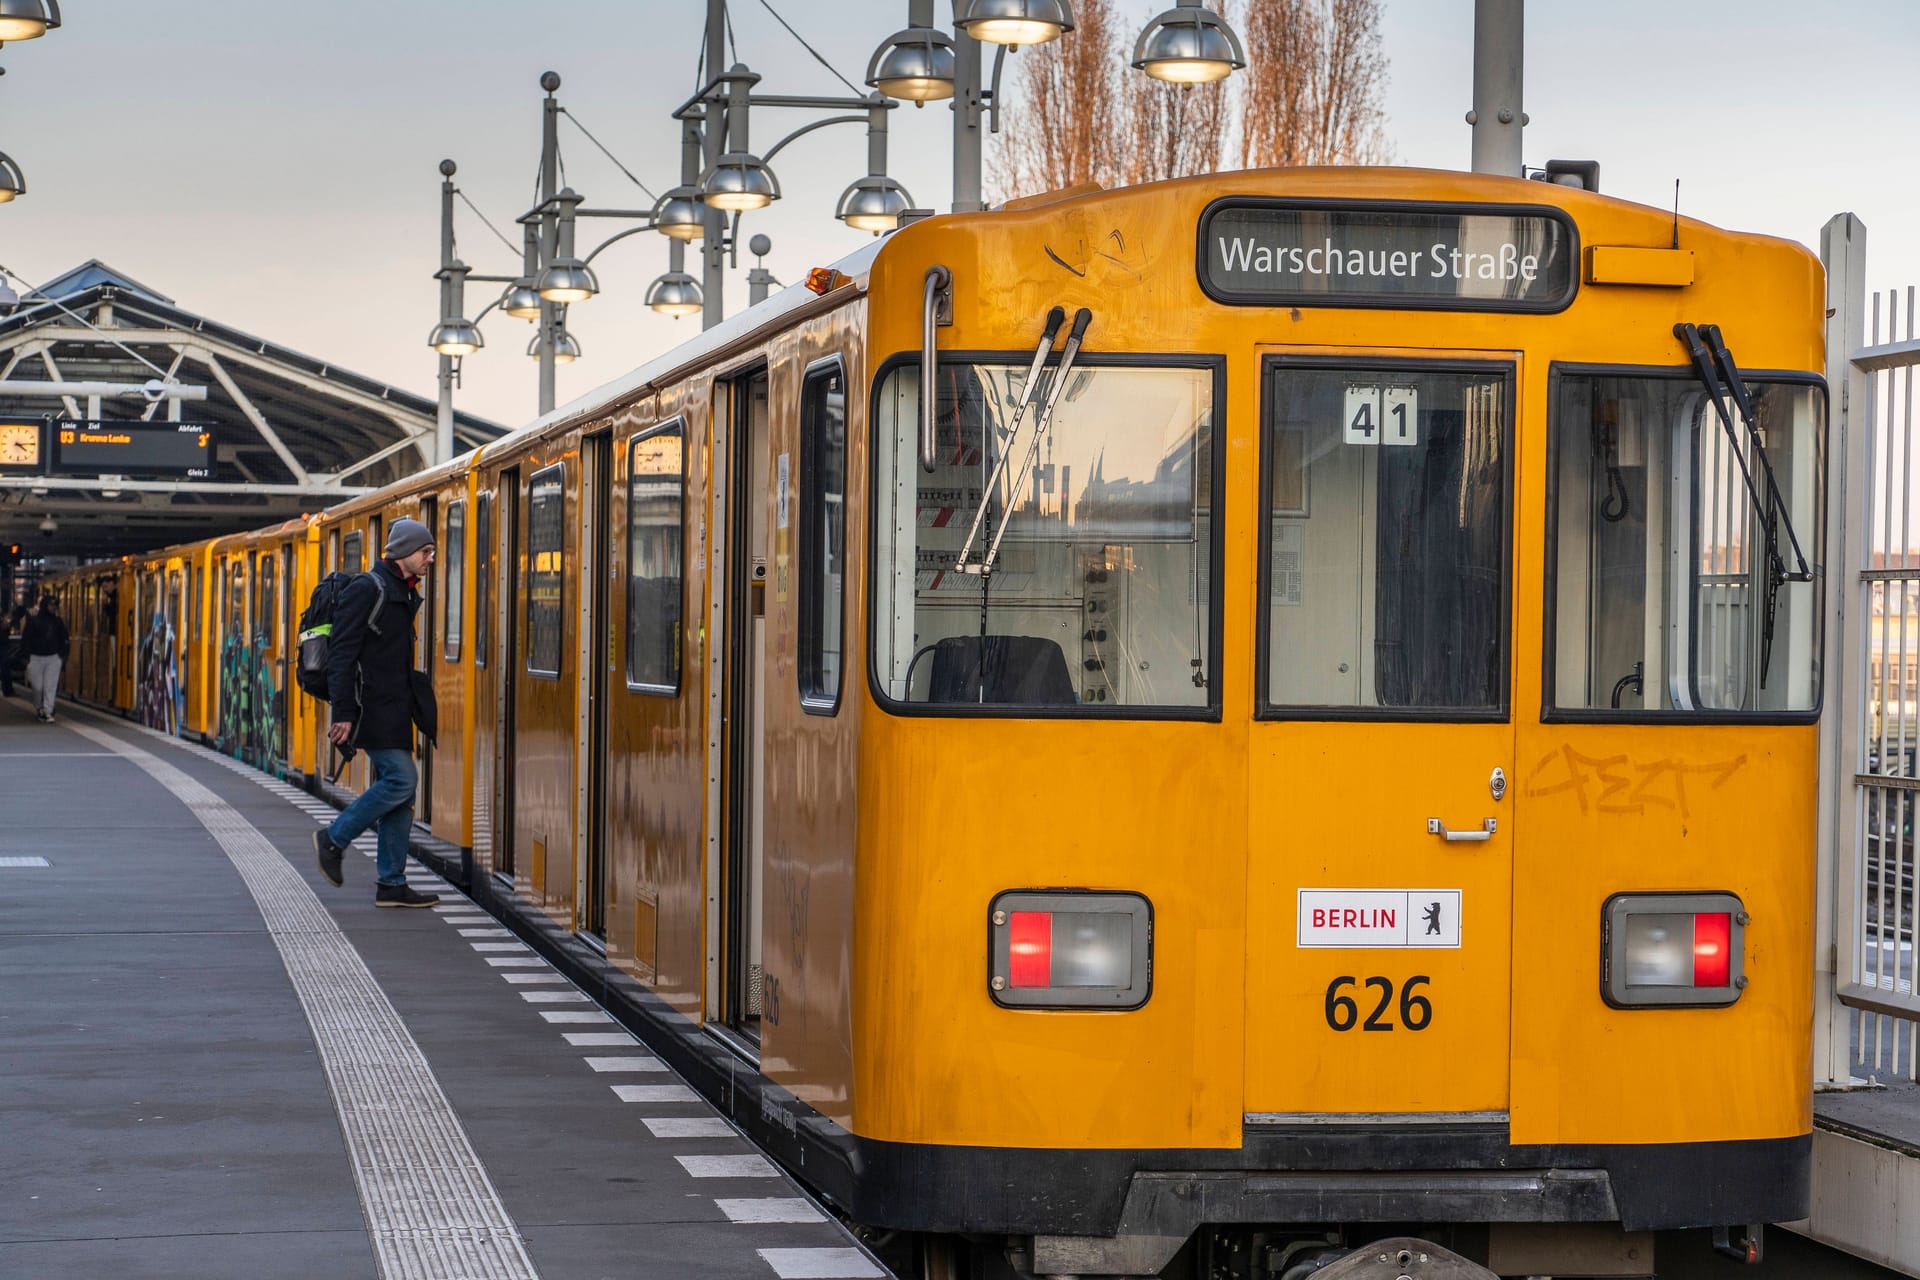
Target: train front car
(1352,777)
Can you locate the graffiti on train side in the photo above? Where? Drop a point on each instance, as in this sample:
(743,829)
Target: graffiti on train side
(253,714)
(159,702)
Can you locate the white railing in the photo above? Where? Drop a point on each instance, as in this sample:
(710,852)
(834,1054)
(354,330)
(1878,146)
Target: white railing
(1869,1016)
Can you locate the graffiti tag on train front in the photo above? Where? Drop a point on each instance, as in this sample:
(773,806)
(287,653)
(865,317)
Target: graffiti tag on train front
(1621,784)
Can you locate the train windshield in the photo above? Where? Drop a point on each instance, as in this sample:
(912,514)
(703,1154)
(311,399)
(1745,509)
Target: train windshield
(1099,595)
(1673,590)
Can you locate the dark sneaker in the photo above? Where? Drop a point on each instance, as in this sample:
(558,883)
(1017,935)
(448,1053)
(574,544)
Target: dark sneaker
(329,857)
(402,895)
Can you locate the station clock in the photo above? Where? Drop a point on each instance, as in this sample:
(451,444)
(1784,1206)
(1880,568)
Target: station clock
(20,446)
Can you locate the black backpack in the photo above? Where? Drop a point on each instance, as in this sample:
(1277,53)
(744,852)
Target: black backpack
(316,629)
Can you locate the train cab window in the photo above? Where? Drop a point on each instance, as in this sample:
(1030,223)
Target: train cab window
(237,603)
(351,560)
(1098,521)
(483,580)
(656,495)
(546,569)
(173,605)
(1677,584)
(453,580)
(823,534)
(1384,576)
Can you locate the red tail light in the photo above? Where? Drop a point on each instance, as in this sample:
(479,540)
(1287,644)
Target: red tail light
(1712,949)
(1030,948)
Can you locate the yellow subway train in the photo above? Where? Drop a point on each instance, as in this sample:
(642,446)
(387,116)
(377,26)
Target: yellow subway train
(1182,730)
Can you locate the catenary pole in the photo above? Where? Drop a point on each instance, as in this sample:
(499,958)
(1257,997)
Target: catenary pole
(1499,55)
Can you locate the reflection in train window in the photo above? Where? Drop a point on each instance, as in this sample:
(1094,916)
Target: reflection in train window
(1678,543)
(1386,535)
(823,532)
(453,579)
(1084,579)
(350,557)
(656,486)
(546,568)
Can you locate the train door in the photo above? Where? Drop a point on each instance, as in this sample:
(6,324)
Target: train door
(505,658)
(596,647)
(425,645)
(737,669)
(1381,837)
(266,673)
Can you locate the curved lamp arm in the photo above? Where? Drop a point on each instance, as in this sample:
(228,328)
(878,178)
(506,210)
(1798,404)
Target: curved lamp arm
(809,128)
(648,225)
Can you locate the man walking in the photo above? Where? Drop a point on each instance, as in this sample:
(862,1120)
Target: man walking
(46,640)
(370,685)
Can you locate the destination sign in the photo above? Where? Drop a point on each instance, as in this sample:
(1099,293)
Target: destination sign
(136,450)
(1451,257)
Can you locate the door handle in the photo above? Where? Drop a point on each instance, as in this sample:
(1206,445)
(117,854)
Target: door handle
(1435,827)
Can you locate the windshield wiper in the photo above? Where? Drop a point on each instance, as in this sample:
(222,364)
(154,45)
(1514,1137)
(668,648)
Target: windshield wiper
(1708,352)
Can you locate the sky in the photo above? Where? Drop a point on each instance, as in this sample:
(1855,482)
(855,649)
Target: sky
(281,175)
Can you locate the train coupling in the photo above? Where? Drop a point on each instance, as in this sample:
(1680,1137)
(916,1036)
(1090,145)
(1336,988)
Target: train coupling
(1403,1258)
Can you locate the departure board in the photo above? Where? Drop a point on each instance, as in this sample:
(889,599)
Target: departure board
(153,450)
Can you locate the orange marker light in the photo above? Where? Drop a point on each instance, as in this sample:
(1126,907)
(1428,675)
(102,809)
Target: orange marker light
(824,280)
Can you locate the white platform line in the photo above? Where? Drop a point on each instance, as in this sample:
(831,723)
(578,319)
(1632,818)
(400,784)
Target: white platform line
(600,1039)
(820,1264)
(570,1017)
(771,1209)
(689,1127)
(524,978)
(728,1166)
(555,997)
(626,1064)
(655,1093)
(516,962)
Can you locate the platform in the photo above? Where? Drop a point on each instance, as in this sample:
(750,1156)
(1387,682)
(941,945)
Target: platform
(215,1063)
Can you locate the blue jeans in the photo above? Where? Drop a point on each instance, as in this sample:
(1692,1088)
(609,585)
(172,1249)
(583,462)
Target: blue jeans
(387,804)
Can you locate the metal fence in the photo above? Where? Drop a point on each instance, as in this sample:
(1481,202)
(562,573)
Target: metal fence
(1872,728)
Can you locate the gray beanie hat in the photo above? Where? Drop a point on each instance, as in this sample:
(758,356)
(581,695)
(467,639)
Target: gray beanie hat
(406,537)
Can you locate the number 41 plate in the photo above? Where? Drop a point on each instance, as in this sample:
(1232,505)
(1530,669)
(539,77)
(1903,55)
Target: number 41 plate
(1381,415)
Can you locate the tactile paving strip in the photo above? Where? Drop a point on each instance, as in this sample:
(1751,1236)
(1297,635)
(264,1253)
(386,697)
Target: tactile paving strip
(431,1210)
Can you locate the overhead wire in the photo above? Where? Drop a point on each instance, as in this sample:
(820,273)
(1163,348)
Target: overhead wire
(810,49)
(608,154)
(498,234)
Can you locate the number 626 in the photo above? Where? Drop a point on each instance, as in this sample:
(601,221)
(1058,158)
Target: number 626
(1343,1013)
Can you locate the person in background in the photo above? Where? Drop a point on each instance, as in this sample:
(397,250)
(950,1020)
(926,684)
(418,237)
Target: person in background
(370,683)
(45,636)
(9,622)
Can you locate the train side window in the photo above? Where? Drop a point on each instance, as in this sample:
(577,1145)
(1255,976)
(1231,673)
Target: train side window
(266,610)
(351,560)
(483,580)
(1668,594)
(1384,563)
(453,579)
(656,500)
(546,569)
(823,534)
(1102,595)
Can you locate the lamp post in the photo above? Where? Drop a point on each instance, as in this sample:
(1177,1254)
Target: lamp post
(1187,44)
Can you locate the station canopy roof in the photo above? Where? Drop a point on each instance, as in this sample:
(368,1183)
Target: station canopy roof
(292,433)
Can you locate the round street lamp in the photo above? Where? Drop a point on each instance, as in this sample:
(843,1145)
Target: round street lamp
(12,181)
(1189,45)
(457,337)
(675,294)
(567,280)
(566,348)
(521,299)
(915,65)
(1016,22)
(739,182)
(27,19)
(679,214)
(873,203)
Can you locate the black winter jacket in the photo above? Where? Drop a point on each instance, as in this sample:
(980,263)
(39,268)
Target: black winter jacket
(369,680)
(45,636)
